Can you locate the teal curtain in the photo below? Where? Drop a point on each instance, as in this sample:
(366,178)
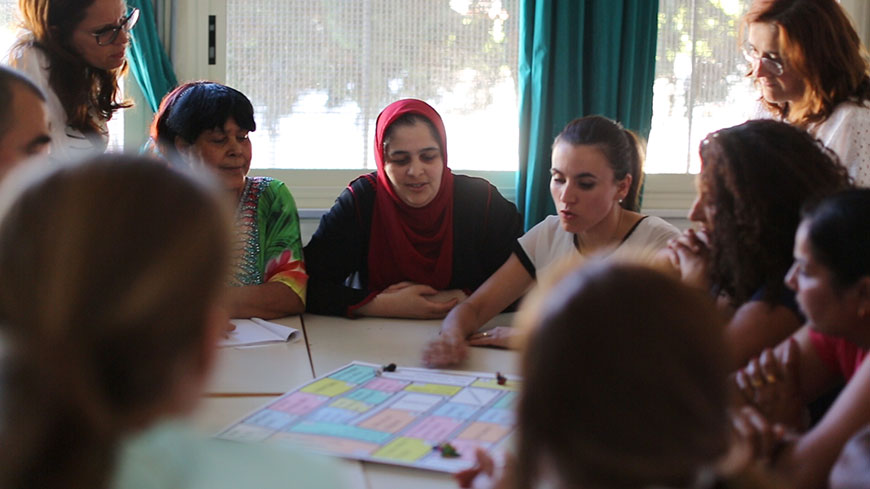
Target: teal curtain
(148,60)
(579,57)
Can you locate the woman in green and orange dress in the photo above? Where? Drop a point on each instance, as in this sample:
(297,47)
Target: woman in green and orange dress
(207,124)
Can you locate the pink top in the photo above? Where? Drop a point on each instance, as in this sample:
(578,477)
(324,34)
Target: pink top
(840,355)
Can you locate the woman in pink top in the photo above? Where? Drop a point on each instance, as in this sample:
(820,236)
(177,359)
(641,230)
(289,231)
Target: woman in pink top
(831,277)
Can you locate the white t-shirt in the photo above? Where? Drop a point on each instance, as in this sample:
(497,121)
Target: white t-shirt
(67,144)
(548,242)
(847,133)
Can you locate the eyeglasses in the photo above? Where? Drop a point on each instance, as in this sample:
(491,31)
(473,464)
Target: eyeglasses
(107,35)
(772,66)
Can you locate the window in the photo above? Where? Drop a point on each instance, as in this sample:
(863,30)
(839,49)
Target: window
(8,8)
(318,74)
(700,83)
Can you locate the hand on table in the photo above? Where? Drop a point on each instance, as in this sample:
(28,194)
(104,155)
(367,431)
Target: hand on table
(412,300)
(770,384)
(485,473)
(499,336)
(449,348)
(690,254)
(448,295)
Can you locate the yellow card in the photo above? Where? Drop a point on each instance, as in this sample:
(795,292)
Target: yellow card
(404,449)
(327,387)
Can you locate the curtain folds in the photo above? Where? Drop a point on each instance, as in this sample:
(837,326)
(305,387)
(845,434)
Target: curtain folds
(579,57)
(148,60)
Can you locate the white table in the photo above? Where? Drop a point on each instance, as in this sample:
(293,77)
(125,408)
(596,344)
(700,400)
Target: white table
(215,413)
(264,369)
(336,341)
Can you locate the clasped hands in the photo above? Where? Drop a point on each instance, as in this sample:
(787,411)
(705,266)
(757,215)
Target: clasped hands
(690,254)
(772,410)
(414,301)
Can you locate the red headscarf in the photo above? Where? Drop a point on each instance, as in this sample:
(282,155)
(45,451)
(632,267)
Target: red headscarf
(410,243)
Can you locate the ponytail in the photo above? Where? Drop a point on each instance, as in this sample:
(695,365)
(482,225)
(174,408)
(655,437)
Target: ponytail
(636,156)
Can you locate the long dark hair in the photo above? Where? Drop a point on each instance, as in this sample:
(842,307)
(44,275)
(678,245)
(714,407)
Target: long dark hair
(622,148)
(109,272)
(757,176)
(80,87)
(616,396)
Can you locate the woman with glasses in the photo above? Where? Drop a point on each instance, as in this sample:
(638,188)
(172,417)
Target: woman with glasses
(813,72)
(75,51)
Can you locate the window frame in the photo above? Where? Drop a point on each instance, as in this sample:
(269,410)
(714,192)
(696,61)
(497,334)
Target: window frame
(666,195)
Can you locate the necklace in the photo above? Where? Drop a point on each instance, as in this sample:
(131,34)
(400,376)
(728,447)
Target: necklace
(580,245)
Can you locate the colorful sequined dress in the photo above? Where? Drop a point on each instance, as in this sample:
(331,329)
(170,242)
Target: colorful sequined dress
(268,245)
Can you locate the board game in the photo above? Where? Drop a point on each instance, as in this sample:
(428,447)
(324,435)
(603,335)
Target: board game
(400,417)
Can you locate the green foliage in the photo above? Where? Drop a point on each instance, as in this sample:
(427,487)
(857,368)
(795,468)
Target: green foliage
(369,52)
(716,32)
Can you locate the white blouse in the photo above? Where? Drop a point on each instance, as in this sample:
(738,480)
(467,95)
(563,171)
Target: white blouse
(67,144)
(847,133)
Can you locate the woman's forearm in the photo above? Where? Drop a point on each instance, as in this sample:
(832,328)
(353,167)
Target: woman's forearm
(268,301)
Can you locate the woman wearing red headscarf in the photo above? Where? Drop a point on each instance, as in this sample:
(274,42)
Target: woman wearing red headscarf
(412,239)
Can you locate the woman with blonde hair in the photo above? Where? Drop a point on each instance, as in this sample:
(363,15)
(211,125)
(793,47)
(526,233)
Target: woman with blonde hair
(813,72)
(111,276)
(74,50)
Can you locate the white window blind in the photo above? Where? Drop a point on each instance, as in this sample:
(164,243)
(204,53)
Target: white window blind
(700,83)
(319,72)
(8,9)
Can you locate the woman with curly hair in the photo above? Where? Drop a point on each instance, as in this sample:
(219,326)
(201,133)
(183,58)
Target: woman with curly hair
(813,72)
(754,179)
(74,50)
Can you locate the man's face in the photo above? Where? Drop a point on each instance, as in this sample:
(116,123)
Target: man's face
(27,134)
